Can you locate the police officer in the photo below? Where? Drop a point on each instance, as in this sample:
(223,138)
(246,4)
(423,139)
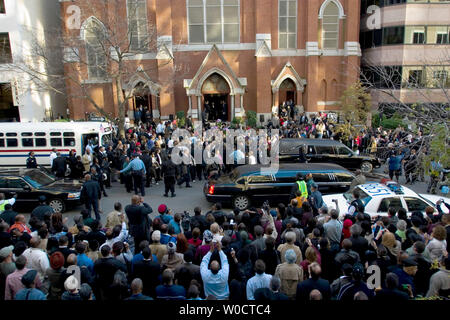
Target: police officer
(138,173)
(299,185)
(31,161)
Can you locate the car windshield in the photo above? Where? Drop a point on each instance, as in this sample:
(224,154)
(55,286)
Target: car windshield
(365,198)
(38,179)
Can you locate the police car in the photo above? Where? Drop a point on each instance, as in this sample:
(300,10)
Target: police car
(378,197)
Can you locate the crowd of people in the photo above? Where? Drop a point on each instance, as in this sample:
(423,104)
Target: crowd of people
(299,251)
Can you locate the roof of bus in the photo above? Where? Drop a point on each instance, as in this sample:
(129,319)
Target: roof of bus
(35,126)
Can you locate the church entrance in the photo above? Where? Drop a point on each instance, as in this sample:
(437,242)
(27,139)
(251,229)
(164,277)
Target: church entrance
(216,93)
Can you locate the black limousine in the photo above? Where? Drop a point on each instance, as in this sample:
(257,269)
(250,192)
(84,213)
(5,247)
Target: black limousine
(248,184)
(325,150)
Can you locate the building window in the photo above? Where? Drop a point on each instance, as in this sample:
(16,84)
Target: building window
(137,24)
(330,26)
(437,34)
(440,79)
(414,35)
(393,35)
(5,48)
(2,6)
(96,52)
(413,77)
(213,21)
(287,24)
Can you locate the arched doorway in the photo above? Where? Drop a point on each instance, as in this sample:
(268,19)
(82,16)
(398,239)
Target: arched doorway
(142,98)
(288,92)
(216,93)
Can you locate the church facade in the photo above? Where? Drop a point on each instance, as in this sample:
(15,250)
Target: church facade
(228,55)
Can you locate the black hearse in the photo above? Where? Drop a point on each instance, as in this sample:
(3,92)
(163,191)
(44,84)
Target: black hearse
(325,150)
(252,184)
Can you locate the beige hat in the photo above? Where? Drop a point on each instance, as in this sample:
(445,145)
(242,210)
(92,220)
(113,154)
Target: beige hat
(71,283)
(156,235)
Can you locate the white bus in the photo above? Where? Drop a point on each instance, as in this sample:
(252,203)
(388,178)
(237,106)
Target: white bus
(17,139)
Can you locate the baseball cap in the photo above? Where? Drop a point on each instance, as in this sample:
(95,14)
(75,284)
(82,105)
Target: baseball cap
(28,278)
(6,251)
(409,262)
(207,236)
(171,247)
(156,235)
(56,260)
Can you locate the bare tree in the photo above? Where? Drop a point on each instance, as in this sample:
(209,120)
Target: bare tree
(108,48)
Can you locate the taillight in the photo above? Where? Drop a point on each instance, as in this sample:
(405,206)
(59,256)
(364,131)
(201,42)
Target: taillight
(211,189)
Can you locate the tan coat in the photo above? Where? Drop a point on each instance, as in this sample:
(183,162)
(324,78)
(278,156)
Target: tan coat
(282,248)
(86,162)
(290,275)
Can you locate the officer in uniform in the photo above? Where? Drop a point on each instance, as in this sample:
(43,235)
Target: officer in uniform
(138,173)
(299,185)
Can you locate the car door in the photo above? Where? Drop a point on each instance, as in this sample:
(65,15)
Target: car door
(345,157)
(388,202)
(4,188)
(415,204)
(282,186)
(25,196)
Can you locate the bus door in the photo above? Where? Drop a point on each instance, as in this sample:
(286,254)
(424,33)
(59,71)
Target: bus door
(85,138)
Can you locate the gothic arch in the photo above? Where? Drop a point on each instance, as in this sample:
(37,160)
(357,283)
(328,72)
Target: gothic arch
(87,22)
(337,3)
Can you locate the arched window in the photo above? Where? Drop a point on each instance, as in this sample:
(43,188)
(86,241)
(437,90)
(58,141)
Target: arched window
(330,25)
(287,24)
(213,21)
(96,53)
(137,24)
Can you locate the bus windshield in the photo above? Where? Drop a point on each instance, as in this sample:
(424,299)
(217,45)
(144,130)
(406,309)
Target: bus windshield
(37,179)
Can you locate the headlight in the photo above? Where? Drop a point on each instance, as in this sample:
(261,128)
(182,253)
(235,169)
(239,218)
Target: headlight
(74,195)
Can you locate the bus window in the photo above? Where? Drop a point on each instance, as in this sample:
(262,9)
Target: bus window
(2,142)
(39,134)
(27,134)
(69,142)
(55,134)
(40,142)
(56,142)
(1,134)
(27,142)
(11,134)
(69,134)
(11,142)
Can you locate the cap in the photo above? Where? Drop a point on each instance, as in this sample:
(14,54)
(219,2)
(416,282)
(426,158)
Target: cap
(409,262)
(162,208)
(171,247)
(358,269)
(6,251)
(156,235)
(71,283)
(28,278)
(207,236)
(56,260)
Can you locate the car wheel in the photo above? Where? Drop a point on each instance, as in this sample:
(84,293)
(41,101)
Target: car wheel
(366,167)
(241,202)
(57,205)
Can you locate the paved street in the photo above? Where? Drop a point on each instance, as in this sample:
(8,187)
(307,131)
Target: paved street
(186,198)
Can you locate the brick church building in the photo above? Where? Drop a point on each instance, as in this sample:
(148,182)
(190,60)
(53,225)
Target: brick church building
(234,55)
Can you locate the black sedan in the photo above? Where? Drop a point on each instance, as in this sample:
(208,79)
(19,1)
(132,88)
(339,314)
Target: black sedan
(29,184)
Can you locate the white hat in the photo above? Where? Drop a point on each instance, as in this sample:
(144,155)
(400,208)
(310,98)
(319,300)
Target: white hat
(71,283)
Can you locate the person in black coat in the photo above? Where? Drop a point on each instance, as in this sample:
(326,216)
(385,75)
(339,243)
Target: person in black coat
(138,220)
(78,168)
(147,160)
(148,271)
(42,210)
(31,161)
(169,171)
(59,166)
(105,268)
(304,288)
(90,195)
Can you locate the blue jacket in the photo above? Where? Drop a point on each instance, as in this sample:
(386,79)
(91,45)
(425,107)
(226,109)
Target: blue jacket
(395,162)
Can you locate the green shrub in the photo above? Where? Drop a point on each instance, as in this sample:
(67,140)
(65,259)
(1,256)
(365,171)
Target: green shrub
(181,118)
(251,118)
